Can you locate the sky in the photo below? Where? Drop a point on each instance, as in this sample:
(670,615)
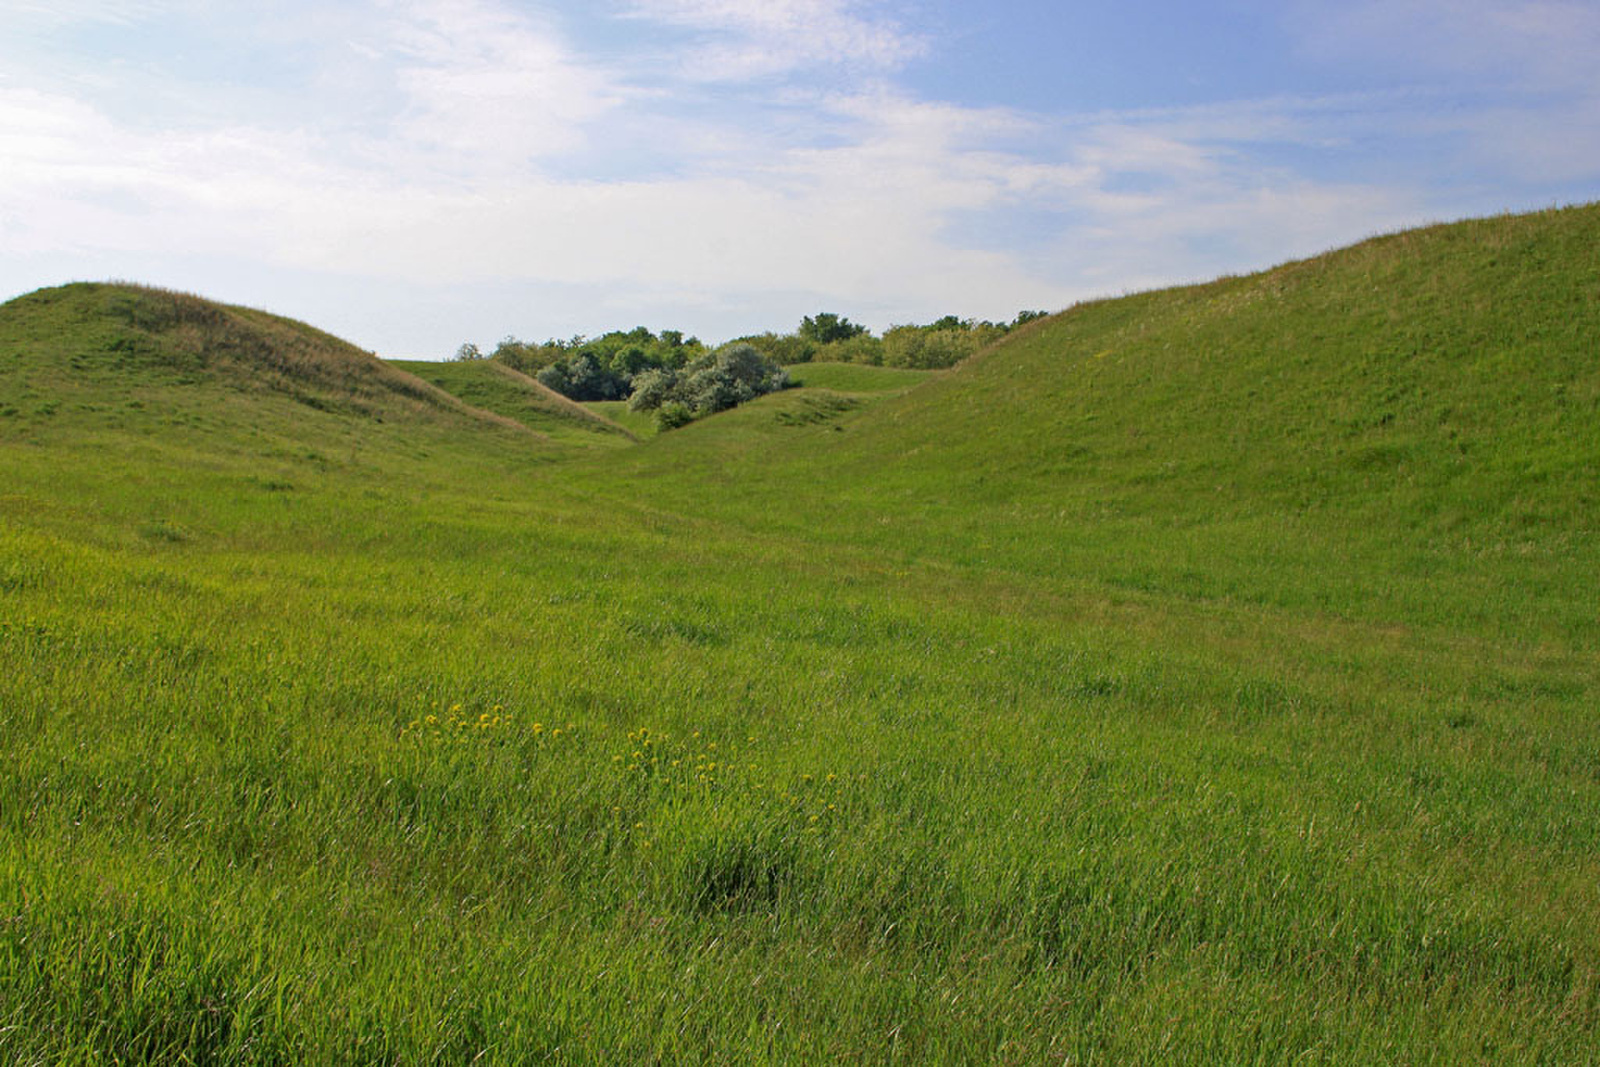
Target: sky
(415,174)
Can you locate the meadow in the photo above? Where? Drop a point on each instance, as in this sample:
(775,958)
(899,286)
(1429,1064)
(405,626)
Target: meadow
(1202,676)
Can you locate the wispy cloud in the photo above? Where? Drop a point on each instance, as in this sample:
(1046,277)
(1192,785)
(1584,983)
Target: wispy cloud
(747,39)
(483,79)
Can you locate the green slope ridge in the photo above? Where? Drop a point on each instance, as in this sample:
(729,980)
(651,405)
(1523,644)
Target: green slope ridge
(105,352)
(496,387)
(973,723)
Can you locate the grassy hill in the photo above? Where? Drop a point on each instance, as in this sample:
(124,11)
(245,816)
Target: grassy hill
(1204,676)
(1353,433)
(492,386)
(89,339)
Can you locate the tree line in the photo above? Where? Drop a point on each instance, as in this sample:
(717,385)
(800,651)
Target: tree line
(681,378)
(827,337)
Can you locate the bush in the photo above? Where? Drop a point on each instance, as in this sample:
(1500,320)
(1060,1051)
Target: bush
(715,382)
(584,378)
(673,414)
(942,344)
(780,348)
(862,348)
(652,388)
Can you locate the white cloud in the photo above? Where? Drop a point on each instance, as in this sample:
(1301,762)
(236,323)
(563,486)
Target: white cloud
(483,80)
(746,39)
(861,225)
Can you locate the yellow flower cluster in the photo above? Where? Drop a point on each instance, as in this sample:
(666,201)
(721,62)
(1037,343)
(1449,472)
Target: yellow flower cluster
(456,723)
(697,769)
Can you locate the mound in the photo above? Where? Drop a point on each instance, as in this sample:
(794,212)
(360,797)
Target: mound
(86,339)
(1447,374)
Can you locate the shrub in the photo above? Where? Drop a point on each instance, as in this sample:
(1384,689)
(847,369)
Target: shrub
(781,348)
(942,344)
(584,378)
(652,388)
(862,348)
(673,414)
(714,382)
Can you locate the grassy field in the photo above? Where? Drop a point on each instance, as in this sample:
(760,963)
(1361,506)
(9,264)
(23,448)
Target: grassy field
(642,424)
(1205,676)
(855,377)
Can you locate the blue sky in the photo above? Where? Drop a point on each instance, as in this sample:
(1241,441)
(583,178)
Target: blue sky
(412,175)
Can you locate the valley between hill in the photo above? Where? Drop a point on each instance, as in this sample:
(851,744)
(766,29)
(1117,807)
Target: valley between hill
(1207,675)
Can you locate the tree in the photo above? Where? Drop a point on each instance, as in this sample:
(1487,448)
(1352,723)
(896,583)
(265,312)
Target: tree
(584,378)
(468,351)
(826,327)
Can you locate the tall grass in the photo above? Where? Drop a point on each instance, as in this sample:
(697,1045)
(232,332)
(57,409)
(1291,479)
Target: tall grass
(961,725)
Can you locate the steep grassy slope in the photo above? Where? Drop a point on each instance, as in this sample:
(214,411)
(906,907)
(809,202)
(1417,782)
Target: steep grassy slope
(1408,429)
(974,724)
(495,387)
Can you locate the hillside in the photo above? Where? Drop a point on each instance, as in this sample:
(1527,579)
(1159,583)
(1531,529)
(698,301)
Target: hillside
(1205,676)
(492,386)
(1410,426)
(113,350)
(856,377)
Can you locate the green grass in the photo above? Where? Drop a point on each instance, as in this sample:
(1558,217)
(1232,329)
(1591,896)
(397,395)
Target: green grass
(1207,676)
(495,387)
(855,377)
(642,424)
